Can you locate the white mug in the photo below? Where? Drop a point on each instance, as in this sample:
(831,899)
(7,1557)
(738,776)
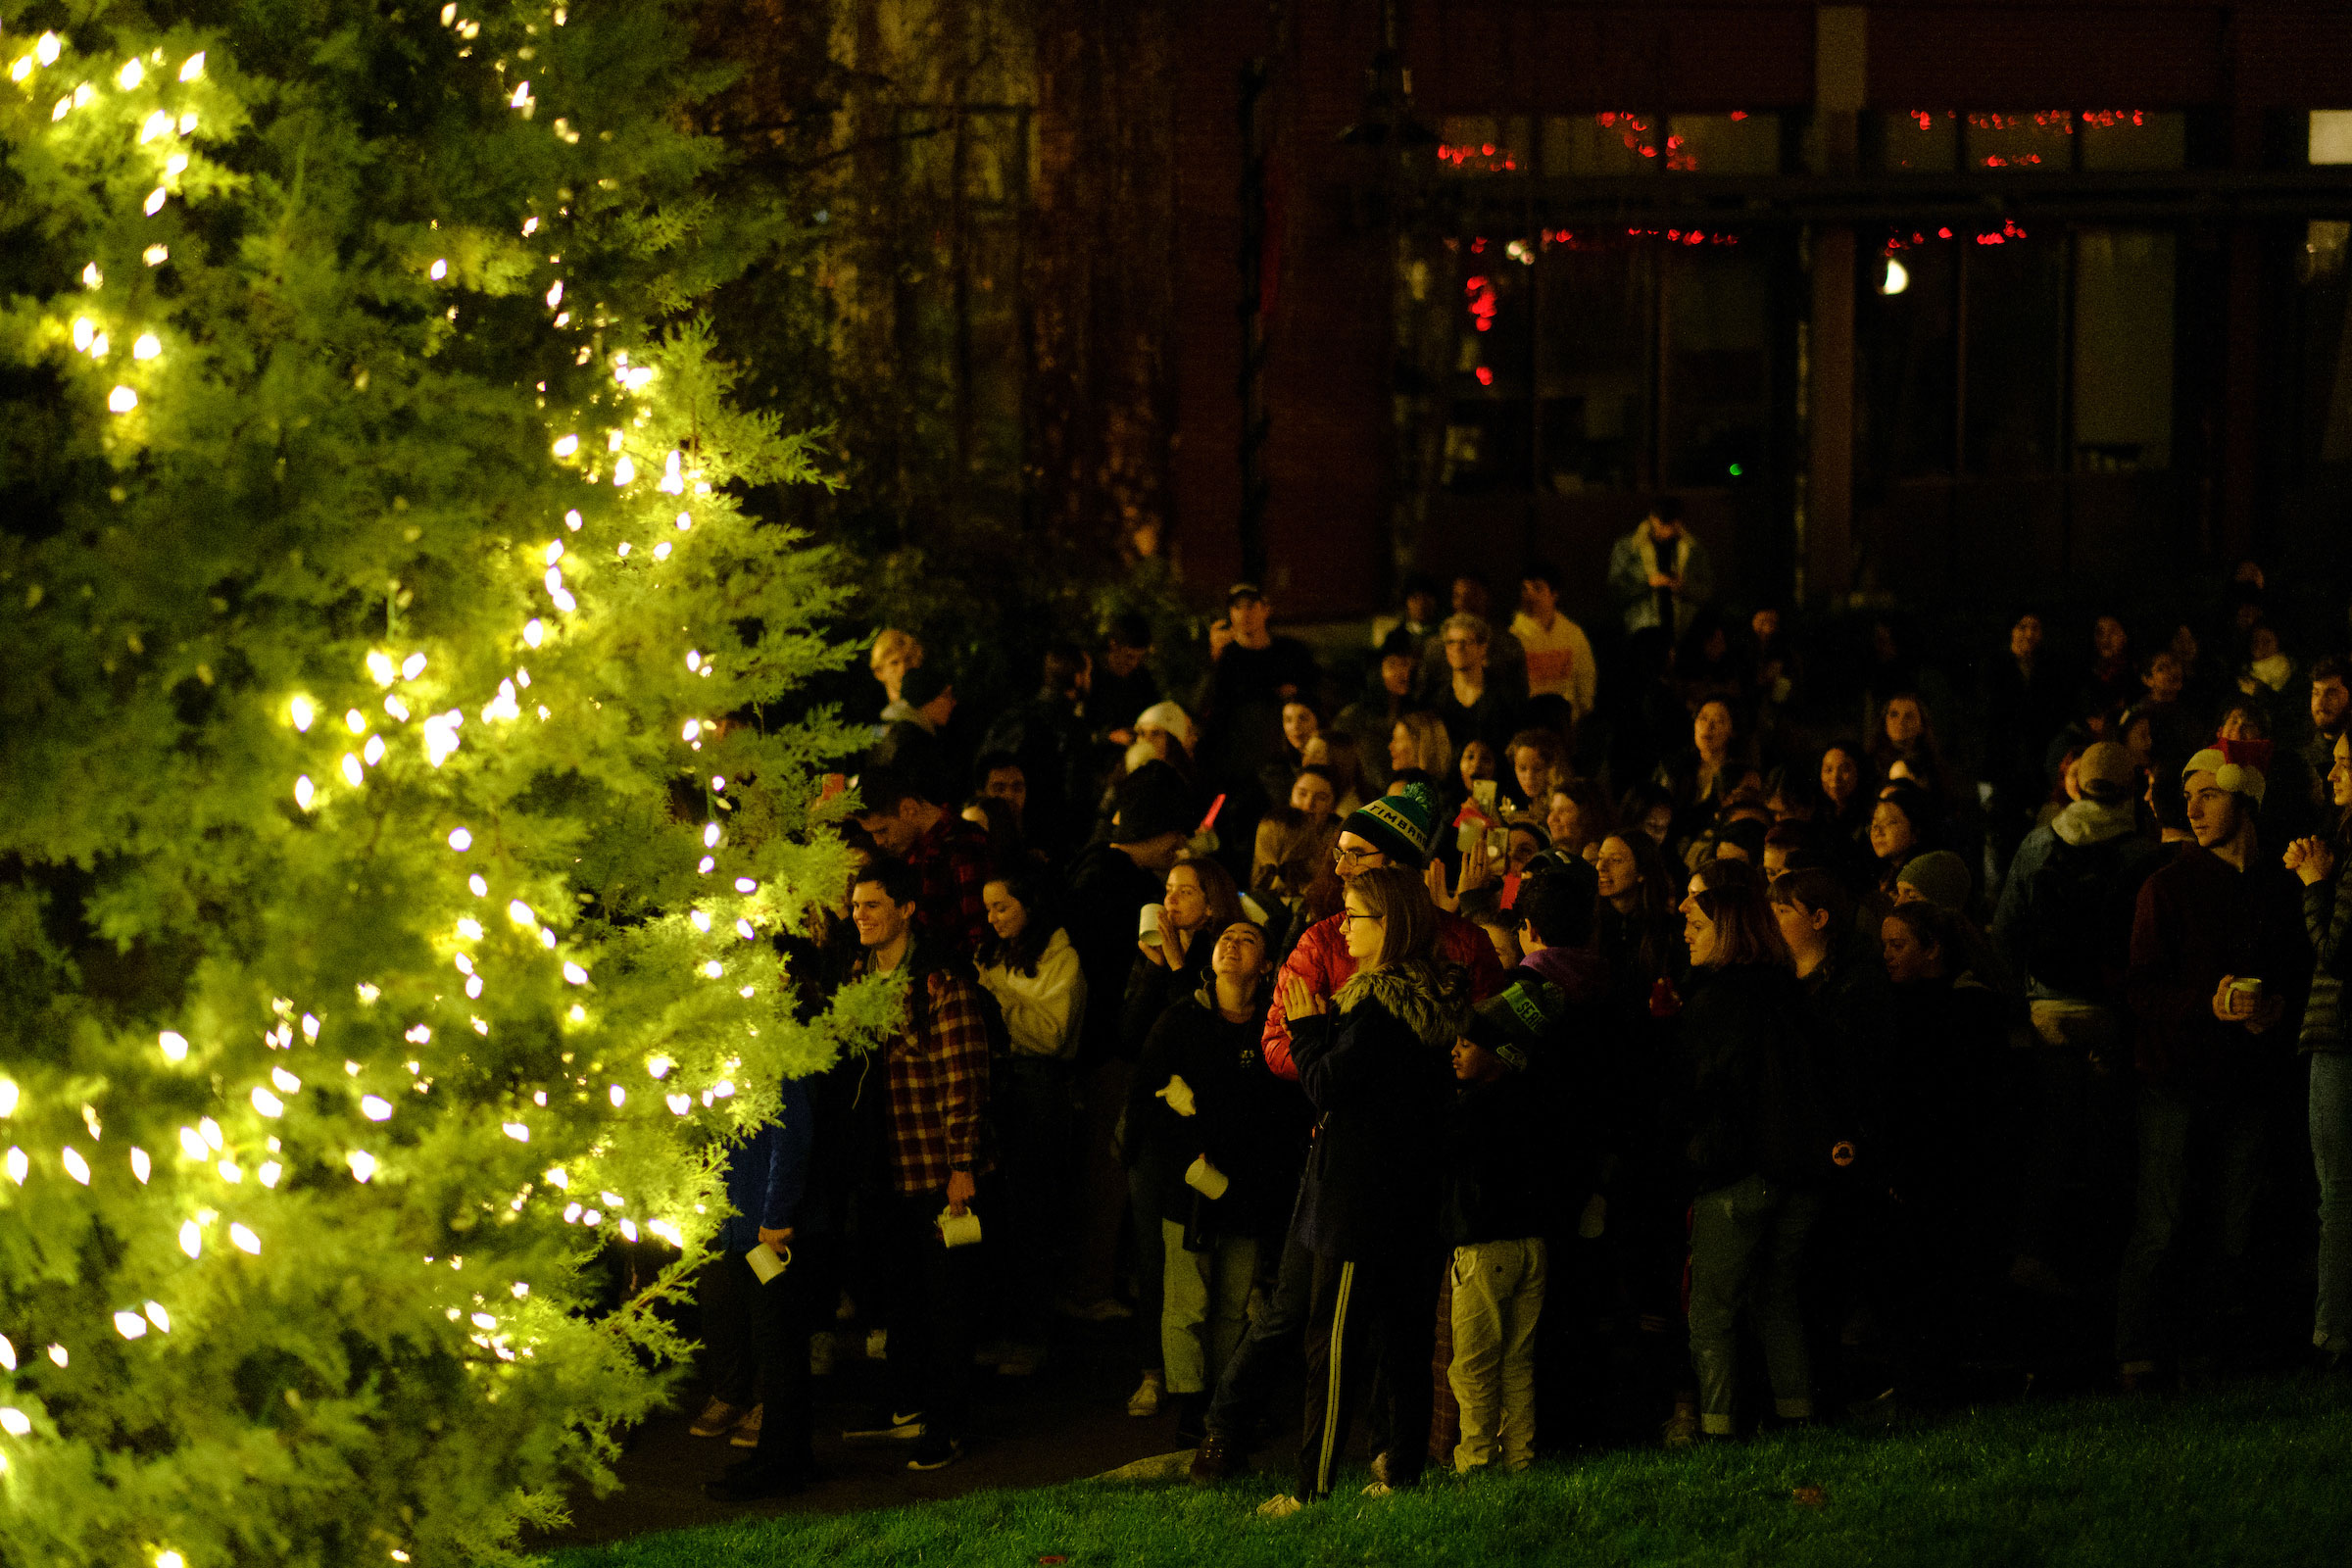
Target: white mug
(764,1261)
(958,1230)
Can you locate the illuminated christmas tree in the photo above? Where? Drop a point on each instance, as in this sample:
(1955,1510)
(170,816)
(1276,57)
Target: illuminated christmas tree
(396,811)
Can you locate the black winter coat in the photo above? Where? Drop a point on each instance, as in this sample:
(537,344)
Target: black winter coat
(1378,1068)
(1757,1097)
(1250,1124)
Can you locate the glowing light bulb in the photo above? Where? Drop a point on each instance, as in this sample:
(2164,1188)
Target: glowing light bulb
(245,1241)
(694,661)
(662,551)
(156,255)
(121,400)
(460,840)
(267,1104)
(301,710)
(46,47)
(555,295)
(685,520)
(521,914)
(304,791)
(230,1171)
(147,346)
(469,928)
(744,884)
(130,75)
(659,1067)
(285,1080)
(701,919)
(131,1325)
(153,203)
(191,1144)
(480,888)
(438,270)
(711,835)
(142,1167)
(516,1131)
(692,730)
(8,1354)
(742,929)
(619,1096)
(534,632)
(270,1172)
(158,1317)
(353,773)
(373,751)
(1897,278)
(76,1166)
(191,1239)
(189,71)
(566,446)
(680,1104)
(712,969)
(20,1165)
(8,1097)
(574,974)
(375,1107)
(15,1422)
(210,1130)
(83,334)
(624,472)
(91,278)
(174,1044)
(355,721)
(155,125)
(706,865)
(411,667)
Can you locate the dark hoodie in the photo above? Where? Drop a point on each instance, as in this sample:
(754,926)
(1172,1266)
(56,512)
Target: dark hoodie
(1378,1068)
(1522,1150)
(1754,1094)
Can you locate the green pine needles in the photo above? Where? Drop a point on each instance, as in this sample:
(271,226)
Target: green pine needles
(396,801)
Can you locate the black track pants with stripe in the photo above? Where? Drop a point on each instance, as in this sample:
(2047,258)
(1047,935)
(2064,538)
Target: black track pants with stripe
(1370,1329)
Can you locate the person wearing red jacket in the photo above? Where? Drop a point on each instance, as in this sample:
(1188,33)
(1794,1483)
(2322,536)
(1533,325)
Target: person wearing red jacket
(1392,830)
(1395,830)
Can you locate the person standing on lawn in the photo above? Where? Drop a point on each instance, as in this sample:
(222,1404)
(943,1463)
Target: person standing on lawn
(2220,966)
(934,1080)
(1375,1062)
(2327,921)
(1392,832)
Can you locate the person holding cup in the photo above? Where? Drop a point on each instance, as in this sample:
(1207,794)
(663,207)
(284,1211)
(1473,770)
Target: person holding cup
(2220,965)
(1211,1145)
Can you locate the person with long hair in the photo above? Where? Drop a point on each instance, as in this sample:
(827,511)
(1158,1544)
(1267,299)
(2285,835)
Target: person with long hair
(1028,963)
(1704,774)
(1904,745)
(1376,1064)
(1759,1143)
(1211,1137)
(2328,917)
(1170,964)
(1419,741)
(1294,841)
(1578,815)
(1903,829)
(1341,760)
(1538,766)
(1635,922)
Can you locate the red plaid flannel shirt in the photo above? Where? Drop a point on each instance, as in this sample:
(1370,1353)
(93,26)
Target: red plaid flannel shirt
(952,858)
(938,1078)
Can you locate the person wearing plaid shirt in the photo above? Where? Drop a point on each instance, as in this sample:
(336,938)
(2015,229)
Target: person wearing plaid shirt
(935,1081)
(948,854)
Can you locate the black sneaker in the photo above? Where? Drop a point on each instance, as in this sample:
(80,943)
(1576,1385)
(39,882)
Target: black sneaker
(1214,1460)
(885,1425)
(935,1452)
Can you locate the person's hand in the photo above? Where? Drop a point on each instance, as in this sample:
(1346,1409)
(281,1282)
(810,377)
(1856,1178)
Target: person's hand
(2229,1005)
(1478,867)
(1297,1002)
(780,1240)
(1156,955)
(1122,736)
(1658,579)
(2311,860)
(961,1189)
(1174,941)
(1220,637)
(1435,875)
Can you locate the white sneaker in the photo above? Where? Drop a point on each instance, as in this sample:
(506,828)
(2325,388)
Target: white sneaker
(1380,1489)
(1280,1507)
(1145,1401)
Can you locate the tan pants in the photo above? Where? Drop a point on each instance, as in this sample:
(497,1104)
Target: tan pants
(1205,1306)
(1497,1296)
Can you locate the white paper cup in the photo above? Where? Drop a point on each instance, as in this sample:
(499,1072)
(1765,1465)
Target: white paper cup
(1206,1179)
(1148,928)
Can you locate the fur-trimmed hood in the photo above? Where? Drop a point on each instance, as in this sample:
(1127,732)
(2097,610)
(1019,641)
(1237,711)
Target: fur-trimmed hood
(1432,1000)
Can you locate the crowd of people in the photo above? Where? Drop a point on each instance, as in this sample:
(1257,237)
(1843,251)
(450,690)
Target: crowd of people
(1490,1041)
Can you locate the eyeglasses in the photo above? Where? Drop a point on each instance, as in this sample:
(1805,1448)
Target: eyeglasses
(1349,917)
(1357,857)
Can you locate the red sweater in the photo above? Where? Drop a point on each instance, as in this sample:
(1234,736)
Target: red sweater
(2199,920)
(1321,959)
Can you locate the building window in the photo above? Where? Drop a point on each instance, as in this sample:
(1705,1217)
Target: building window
(1944,141)
(2004,354)
(1608,143)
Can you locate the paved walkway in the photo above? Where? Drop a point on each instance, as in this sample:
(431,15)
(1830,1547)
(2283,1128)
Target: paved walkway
(1066,1422)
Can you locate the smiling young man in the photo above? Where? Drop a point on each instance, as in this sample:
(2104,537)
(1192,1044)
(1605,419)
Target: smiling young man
(2220,966)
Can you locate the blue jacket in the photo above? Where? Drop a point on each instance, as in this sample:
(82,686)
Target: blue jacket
(768,1175)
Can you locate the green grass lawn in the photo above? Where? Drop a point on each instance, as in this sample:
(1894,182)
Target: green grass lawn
(2256,1474)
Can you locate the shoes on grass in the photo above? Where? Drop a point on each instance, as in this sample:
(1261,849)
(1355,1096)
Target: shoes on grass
(1682,1428)
(718,1418)
(747,1431)
(1380,1489)
(1280,1507)
(1145,1399)
(887,1426)
(1215,1462)
(935,1451)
